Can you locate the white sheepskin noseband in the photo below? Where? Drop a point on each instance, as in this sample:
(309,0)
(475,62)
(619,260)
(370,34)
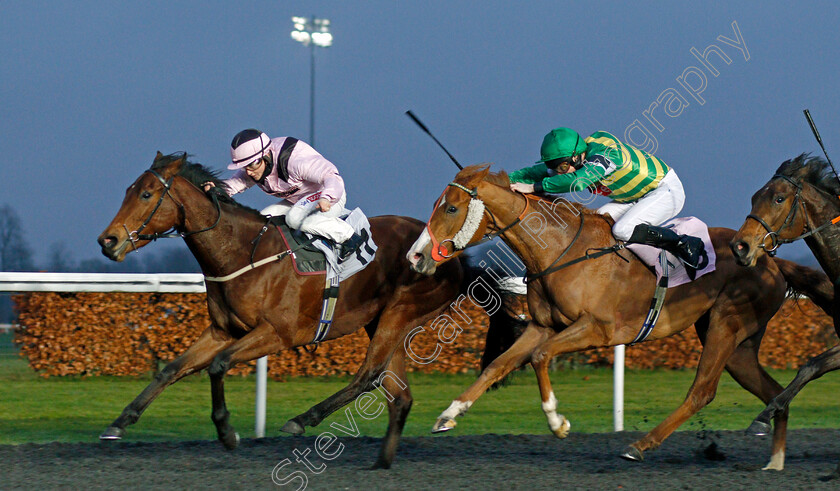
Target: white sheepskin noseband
(475,212)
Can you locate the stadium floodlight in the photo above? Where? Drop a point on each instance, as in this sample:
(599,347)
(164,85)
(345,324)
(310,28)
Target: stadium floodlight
(312,32)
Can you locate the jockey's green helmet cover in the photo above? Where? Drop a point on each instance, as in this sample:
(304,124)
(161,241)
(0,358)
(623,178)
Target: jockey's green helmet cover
(561,143)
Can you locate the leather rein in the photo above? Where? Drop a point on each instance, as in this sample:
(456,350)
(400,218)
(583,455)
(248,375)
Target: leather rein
(775,240)
(136,235)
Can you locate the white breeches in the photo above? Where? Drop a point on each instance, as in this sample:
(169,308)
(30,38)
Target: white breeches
(306,217)
(654,208)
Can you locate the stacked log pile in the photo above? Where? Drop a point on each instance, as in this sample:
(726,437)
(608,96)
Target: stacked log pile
(135,333)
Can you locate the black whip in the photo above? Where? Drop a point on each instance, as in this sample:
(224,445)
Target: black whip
(819,140)
(423,127)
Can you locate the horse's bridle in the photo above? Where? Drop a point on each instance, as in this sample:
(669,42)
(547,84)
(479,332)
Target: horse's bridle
(775,241)
(135,235)
(528,277)
(439,250)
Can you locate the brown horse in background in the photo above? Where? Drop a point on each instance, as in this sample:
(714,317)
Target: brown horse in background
(604,301)
(271,308)
(799,202)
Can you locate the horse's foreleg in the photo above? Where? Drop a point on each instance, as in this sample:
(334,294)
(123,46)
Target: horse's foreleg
(579,335)
(197,356)
(815,368)
(744,367)
(260,342)
(395,387)
(515,356)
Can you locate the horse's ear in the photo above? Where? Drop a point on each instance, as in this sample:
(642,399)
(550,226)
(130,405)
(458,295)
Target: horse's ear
(479,174)
(173,167)
(803,171)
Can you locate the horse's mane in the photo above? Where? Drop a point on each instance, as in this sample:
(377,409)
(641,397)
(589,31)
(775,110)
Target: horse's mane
(813,170)
(199,174)
(501,179)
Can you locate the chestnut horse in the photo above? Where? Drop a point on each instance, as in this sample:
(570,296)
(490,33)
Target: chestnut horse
(271,308)
(604,301)
(799,202)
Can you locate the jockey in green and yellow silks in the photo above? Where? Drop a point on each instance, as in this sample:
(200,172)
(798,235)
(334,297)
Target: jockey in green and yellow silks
(645,191)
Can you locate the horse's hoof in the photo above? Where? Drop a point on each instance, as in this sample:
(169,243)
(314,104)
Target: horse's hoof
(563,430)
(633,453)
(381,464)
(231,441)
(292,427)
(759,428)
(831,477)
(443,424)
(112,433)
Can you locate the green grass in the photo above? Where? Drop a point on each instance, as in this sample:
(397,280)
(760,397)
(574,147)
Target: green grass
(74,409)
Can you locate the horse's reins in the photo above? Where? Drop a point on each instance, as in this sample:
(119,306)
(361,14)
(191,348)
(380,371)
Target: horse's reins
(775,241)
(586,256)
(135,235)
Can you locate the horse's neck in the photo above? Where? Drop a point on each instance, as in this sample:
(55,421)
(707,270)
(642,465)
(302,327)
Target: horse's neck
(822,208)
(547,230)
(227,246)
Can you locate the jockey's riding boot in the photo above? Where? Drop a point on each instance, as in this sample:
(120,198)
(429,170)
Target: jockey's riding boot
(349,246)
(686,247)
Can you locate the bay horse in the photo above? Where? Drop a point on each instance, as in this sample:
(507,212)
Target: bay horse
(271,308)
(604,301)
(799,202)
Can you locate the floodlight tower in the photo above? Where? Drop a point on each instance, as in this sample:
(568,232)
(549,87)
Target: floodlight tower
(312,32)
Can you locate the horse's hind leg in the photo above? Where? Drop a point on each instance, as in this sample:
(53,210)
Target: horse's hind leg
(260,342)
(815,368)
(197,356)
(744,367)
(515,356)
(394,383)
(402,313)
(719,346)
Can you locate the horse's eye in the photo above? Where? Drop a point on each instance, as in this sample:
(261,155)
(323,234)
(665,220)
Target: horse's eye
(146,195)
(779,199)
(451,210)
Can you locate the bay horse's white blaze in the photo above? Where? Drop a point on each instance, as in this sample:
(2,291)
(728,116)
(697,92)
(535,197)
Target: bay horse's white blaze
(558,423)
(414,255)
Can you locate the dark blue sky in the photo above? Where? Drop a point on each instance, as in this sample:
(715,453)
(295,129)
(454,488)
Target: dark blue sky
(89,91)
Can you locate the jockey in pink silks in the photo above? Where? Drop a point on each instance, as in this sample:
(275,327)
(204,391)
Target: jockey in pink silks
(310,186)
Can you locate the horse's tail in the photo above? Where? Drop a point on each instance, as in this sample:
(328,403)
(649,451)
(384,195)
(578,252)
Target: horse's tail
(808,281)
(506,323)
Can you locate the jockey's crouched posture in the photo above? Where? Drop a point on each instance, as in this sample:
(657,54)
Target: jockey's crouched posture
(645,191)
(311,189)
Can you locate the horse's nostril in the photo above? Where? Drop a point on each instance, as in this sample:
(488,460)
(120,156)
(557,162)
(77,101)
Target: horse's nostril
(107,242)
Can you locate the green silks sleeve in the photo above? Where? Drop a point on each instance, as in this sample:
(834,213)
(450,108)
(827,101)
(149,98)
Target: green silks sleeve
(529,175)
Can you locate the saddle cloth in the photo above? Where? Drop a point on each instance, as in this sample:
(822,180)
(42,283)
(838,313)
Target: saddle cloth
(321,255)
(676,269)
